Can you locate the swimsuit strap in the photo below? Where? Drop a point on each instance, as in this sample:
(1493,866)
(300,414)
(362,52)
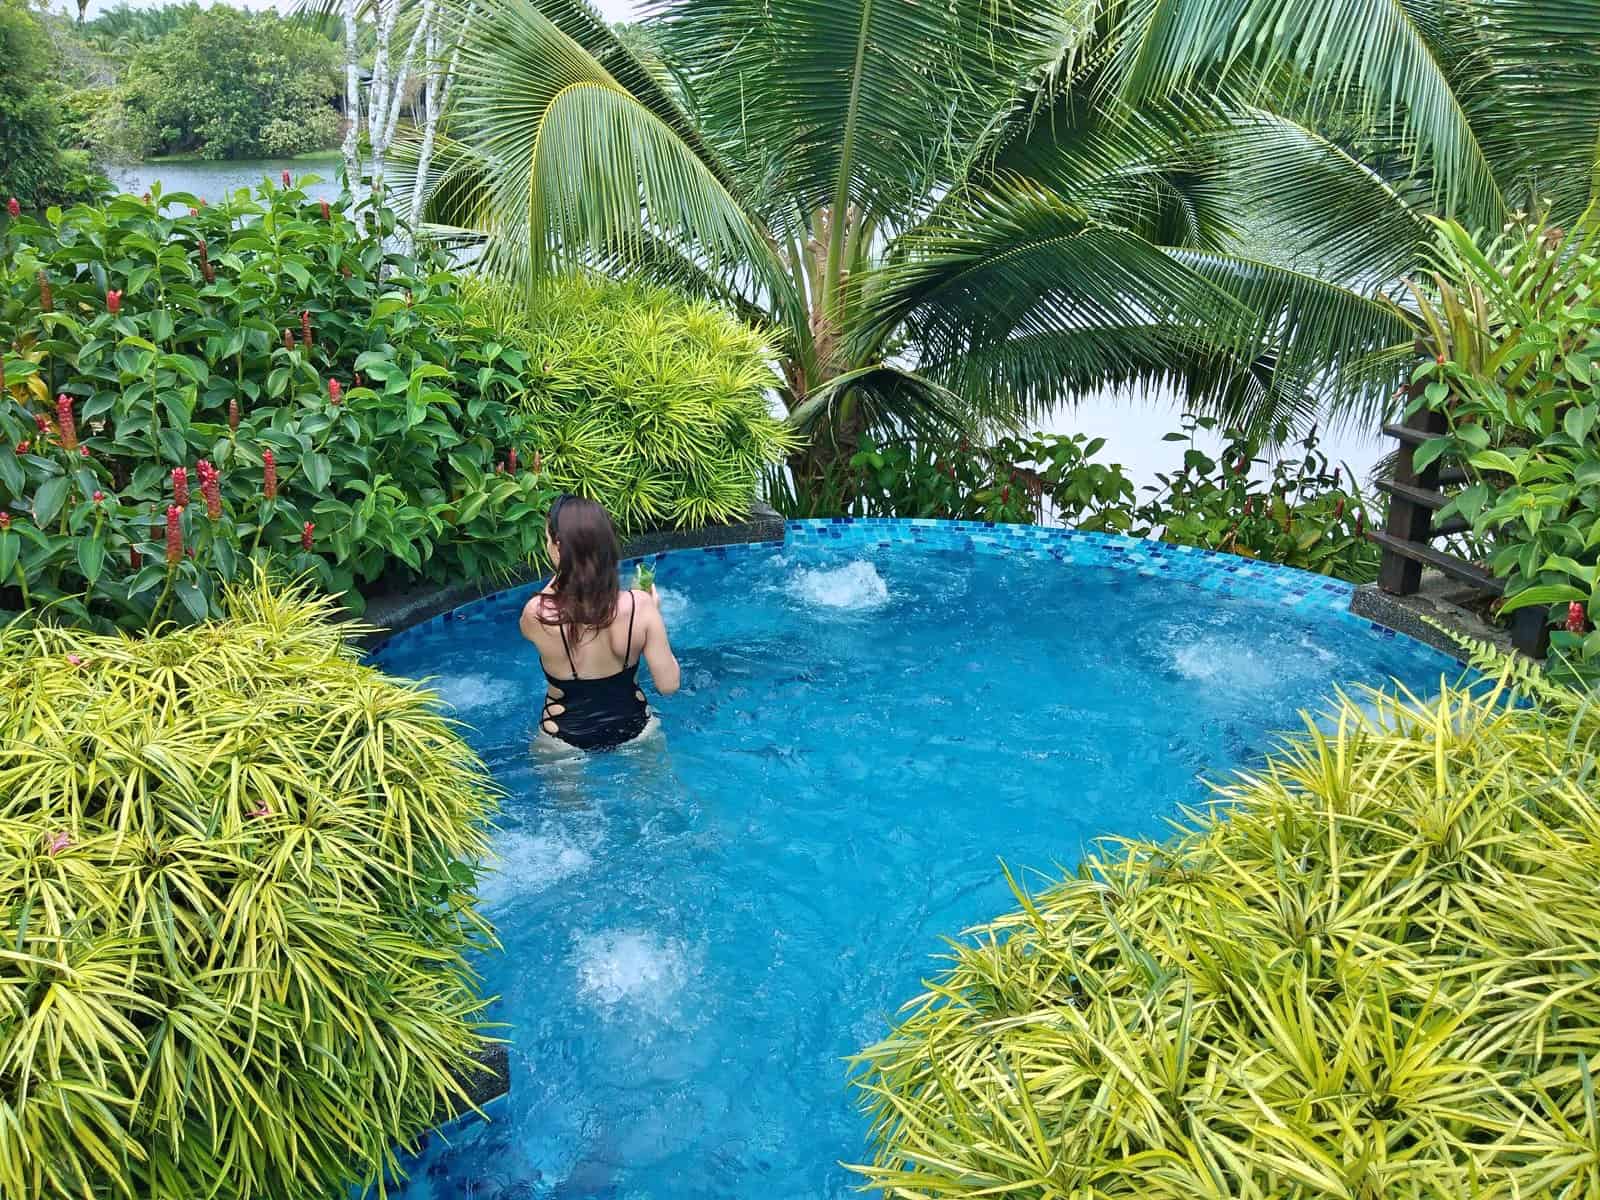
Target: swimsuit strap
(627,649)
(568,648)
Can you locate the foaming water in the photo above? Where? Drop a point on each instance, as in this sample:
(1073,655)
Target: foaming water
(465,692)
(699,928)
(856,586)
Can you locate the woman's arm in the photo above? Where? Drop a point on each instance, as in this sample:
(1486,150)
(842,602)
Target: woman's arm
(657,648)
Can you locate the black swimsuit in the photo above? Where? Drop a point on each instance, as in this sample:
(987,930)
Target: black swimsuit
(597,714)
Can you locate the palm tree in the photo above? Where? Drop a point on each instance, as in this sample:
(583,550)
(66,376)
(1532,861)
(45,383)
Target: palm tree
(973,211)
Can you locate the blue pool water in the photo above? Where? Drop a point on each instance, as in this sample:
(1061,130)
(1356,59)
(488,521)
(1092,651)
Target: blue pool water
(699,929)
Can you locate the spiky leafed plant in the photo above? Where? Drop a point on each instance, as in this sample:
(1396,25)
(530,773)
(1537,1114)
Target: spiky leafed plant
(1368,973)
(236,898)
(983,208)
(656,406)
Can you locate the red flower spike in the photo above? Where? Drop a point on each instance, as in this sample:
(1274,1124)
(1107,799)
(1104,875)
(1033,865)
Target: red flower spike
(288,340)
(47,299)
(210,488)
(67,422)
(305,328)
(1577,618)
(22,447)
(98,497)
(335,392)
(511,460)
(113,301)
(1005,495)
(43,422)
(135,559)
(14,207)
(345,271)
(174,535)
(5,521)
(305,535)
(327,213)
(194,212)
(233,414)
(1361,522)
(1440,360)
(538,462)
(202,201)
(83,452)
(286,179)
(180,486)
(1338,509)
(269,475)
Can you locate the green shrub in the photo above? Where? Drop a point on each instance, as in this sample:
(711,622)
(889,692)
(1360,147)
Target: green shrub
(230,84)
(1305,514)
(236,898)
(32,167)
(207,358)
(1014,480)
(1369,973)
(655,406)
(1514,333)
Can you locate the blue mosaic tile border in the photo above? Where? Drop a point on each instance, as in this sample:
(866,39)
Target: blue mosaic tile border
(1311,596)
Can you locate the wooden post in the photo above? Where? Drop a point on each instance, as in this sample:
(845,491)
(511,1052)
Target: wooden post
(1397,574)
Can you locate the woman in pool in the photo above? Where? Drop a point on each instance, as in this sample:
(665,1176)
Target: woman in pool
(591,634)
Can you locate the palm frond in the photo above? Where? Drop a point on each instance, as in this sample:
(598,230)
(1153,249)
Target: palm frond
(1372,53)
(564,162)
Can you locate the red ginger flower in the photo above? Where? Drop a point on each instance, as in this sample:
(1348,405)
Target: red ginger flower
(1338,509)
(286,178)
(210,488)
(98,497)
(114,301)
(1361,521)
(22,447)
(194,212)
(1577,618)
(180,486)
(327,213)
(43,422)
(305,328)
(83,452)
(511,460)
(538,462)
(288,339)
(66,421)
(305,535)
(335,392)
(269,475)
(14,207)
(135,559)
(47,299)
(174,535)
(233,413)
(5,521)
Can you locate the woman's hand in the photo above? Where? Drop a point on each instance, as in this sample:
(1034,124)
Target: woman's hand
(657,652)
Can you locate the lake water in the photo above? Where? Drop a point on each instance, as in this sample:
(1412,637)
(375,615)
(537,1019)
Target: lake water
(215,180)
(1133,427)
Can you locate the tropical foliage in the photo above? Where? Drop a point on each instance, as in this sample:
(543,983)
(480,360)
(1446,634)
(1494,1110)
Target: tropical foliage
(231,84)
(1514,333)
(1367,971)
(654,406)
(236,873)
(1294,508)
(976,210)
(33,166)
(191,388)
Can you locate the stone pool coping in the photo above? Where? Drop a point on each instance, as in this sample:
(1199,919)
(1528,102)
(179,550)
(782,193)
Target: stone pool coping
(395,612)
(1312,597)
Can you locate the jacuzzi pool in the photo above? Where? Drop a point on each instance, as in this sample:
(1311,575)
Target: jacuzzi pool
(875,715)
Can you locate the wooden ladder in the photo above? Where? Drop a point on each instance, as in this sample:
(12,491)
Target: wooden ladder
(1407,538)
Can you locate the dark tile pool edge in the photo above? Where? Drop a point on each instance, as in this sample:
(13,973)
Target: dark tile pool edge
(394,612)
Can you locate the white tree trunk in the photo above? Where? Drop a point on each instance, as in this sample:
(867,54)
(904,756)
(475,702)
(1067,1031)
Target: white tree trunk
(436,93)
(352,98)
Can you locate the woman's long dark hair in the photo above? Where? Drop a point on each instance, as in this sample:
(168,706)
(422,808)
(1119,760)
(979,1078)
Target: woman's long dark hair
(584,591)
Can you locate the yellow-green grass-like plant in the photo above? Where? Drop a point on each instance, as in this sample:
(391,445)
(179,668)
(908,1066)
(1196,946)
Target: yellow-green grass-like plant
(236,899)
(1371,971)
(656,406)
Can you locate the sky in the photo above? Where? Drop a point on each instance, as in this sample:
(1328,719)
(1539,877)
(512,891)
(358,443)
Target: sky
(614,10)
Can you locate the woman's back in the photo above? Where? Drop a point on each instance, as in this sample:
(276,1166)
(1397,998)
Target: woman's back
(590,634)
